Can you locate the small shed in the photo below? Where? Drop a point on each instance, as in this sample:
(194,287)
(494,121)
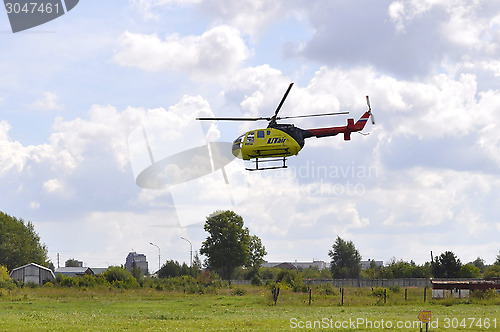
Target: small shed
(74,271)
(32,273)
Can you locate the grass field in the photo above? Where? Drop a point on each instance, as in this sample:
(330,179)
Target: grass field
(146,309)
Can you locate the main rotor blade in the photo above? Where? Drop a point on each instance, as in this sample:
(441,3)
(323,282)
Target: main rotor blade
(283,100)
(311,115)
(233,119)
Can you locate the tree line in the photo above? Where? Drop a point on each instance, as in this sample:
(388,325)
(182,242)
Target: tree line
(232,252)
(345,263)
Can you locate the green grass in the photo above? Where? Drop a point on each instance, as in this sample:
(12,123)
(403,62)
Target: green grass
(73,309)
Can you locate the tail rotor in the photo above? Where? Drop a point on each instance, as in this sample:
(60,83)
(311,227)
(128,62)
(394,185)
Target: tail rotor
(370,110)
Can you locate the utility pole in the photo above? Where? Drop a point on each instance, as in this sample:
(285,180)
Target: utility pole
(159,257)
(191,252)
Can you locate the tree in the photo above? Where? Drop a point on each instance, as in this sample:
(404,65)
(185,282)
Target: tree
(469,271)
(346,259)
(19,243)
(170,269)
(228,245)
(136,271)
(497,262)
(479,263)
(72,263)
(492,271)
(197,263)
(256,252)
(447,265)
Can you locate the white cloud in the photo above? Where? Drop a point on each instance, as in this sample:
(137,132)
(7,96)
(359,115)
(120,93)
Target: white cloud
(397,13)
(34,205)
(466,23)
(166,133)
(250,16)
(53,186)
(216,53)
(489,140)
(148,7)
(13,155)
(48,102)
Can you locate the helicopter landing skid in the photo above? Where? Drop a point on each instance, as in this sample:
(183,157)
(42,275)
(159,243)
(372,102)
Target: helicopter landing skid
(265,161)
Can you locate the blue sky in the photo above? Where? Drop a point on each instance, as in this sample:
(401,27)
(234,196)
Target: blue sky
(75,91)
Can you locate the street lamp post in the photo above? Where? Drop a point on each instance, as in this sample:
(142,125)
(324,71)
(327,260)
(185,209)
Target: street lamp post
(159,257)
(191,252)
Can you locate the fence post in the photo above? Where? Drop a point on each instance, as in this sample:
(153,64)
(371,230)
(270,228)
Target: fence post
(342,296)
(385,295)
(425,293)
(310,294)
(276,293)
(406,294)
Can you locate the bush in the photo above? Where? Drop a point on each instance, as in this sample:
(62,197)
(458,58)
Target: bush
(326,289)
(5,281)
(256,280)
(484,294)
(239,291)
(378,291)
(48,284)
(4,273)
(209,278)
(65,281)
(31,284)
(268,273)
(116,273)
(395,288)
(8,284)
(89,280)
(293,279)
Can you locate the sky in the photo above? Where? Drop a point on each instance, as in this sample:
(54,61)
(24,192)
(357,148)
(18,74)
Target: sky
(83,96)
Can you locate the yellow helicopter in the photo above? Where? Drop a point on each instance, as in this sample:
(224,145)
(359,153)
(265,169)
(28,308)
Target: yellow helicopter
(279,141)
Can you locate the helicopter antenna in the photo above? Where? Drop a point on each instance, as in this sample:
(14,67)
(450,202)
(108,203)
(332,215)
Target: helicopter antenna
(272,121)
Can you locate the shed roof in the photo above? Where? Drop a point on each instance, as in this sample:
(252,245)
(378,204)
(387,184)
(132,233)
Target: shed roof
(464,284)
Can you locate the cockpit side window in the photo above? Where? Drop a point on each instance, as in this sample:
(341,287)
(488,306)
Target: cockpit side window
(250,138)
(260,134)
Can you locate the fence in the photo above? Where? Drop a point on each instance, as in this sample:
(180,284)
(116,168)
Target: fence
(404,282)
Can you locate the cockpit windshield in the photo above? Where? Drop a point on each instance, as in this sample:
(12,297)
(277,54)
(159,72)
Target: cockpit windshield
(239,140)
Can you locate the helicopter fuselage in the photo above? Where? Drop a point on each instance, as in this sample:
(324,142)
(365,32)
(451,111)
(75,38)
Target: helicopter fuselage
(268,143)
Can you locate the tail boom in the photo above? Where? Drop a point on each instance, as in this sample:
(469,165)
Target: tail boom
(346,130)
